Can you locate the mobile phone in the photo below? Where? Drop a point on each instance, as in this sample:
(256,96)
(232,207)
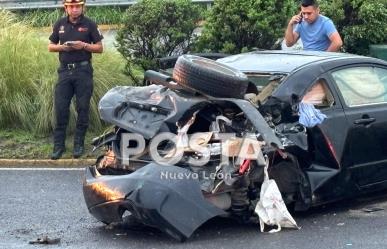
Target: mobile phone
(69,43)
(301,17)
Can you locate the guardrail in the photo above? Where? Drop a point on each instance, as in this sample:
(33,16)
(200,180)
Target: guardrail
(34,4)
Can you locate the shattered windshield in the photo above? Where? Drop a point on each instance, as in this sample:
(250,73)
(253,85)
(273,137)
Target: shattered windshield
(266,84)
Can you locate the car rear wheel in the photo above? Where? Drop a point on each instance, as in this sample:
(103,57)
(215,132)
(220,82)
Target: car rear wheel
(210,77)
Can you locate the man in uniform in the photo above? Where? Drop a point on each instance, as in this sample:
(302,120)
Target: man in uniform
(75,37)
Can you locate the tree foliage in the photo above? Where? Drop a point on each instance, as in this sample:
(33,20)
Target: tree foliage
(360,22)
(239,25)
(154,29)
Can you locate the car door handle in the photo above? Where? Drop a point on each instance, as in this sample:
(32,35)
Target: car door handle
(364,121)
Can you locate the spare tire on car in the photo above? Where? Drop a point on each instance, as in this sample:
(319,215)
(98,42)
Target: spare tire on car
(210,77)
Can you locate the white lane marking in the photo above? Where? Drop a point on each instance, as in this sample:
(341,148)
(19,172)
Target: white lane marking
(42,169)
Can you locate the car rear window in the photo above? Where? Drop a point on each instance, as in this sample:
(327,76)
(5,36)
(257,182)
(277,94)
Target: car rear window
(262,80)
(266,84)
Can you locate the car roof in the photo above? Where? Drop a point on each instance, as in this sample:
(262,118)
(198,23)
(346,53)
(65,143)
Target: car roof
(281,61)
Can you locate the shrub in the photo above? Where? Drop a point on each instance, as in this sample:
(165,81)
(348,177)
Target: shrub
(154,29)
(235,26)
(360,22)
(28,76)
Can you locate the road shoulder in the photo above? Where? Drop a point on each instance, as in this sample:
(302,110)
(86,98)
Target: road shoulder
(22,163)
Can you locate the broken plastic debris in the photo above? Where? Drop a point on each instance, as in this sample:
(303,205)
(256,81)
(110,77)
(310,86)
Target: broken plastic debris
(112,225)
(372,209)
(215,126)
(246,148)
(271,208)
(109,159)
(121,234)
(182,140)
(45,240)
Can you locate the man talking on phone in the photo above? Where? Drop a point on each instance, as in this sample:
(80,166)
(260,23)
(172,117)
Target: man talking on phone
(75,37)
(317,32)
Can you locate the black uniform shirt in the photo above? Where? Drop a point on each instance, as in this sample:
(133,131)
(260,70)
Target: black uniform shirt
(84,30)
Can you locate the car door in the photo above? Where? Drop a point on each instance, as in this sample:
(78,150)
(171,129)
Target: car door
(363,92)
(327,142)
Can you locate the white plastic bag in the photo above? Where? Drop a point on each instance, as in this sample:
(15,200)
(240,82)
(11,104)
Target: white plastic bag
(271,208)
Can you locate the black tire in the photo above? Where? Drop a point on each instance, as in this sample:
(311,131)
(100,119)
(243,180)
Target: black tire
(210,77)
(169,62)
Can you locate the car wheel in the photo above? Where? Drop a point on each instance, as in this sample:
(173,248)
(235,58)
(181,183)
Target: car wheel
(209,77)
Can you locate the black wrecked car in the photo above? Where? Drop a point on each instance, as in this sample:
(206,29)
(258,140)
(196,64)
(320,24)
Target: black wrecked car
(177,155)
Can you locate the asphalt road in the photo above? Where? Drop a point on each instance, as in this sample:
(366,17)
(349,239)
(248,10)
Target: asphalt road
(37,203)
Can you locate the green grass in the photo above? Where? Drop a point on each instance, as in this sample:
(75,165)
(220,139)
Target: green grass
(47,17)
(28,76)
(106,15)
(21,144)
(20,71)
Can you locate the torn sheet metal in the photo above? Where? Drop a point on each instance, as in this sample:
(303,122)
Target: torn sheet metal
(271,208)
(258,122)
(245,148)
(188,143)
(215,125)
(293,134)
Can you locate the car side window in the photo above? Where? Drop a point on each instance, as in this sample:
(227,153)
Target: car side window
(362,85)
(319,95)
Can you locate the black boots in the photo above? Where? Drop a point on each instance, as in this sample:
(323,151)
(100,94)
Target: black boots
(79,147)
(78,150)
(57,152)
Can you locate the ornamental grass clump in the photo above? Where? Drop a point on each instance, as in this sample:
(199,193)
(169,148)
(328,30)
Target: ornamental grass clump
(23,66)
(110,15)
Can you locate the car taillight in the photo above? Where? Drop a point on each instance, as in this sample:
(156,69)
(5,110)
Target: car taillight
(331,148)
